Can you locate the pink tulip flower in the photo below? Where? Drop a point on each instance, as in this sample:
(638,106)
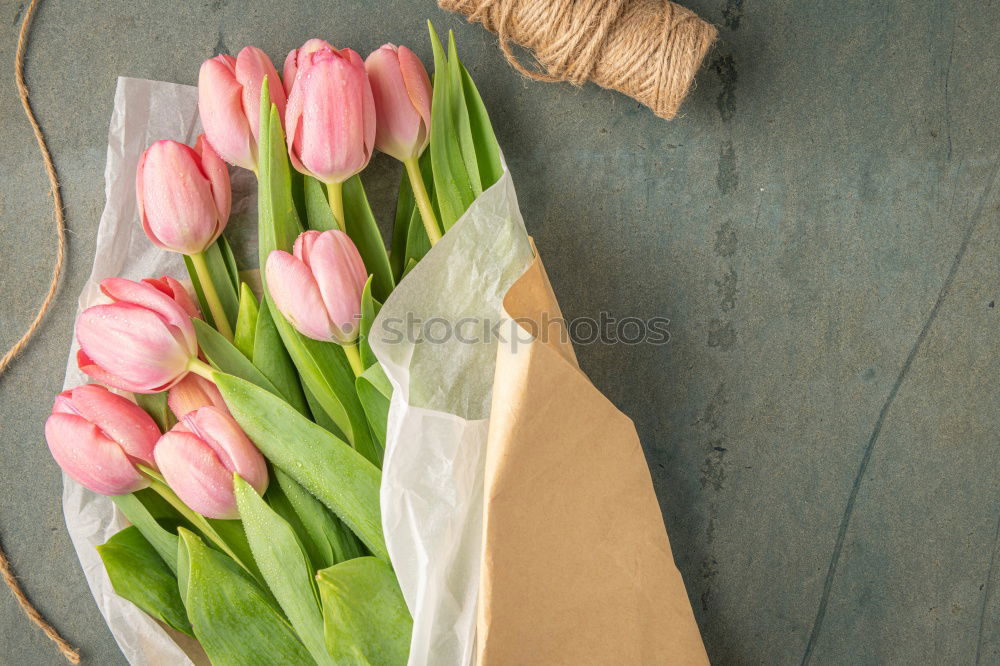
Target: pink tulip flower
(297,56)
(330,117)
(142,341)
(318,287)
(177,292)
(183,195)
(229,103)
(402,92)
(98,437)
(192,393)
(199,456)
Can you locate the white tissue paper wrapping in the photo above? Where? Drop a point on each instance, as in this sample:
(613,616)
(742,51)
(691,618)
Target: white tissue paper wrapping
(432,477)
(432,483)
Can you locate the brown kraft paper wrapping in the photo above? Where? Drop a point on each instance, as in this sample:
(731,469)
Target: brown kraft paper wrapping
(576,565)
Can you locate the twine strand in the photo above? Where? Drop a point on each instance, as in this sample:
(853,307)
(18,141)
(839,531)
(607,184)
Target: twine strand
(65,648)
(649,50)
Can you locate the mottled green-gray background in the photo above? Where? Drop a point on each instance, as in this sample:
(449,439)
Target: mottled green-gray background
(820,226)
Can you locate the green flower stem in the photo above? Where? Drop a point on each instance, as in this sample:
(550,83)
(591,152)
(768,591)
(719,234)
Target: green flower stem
(335,192)
(423,200)
(211,295)
(157,483)
(354,358)
(199,367)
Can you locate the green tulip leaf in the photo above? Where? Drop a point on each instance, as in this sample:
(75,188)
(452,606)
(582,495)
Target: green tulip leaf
(463,127)
(453,189)
(161,509)
(318,213)
(235,538)
(483,137)
(320,416)
(246,321)
(155,404)
(366,618)
(164,542)
(285,566)
(375,392)
(229,259)
(298,193)
(323,464)
(139,574)
(326,539)
(406,205)
(272,360)
(369,310)
(225,357)
(364,231)
(233,618)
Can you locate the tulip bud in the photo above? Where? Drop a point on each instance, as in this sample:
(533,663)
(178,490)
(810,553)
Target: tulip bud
(177,292)
(183,195)
(199,456)
(191,393)
(318,288)
(297,56)
(143,341)
(330,117)
(98,437)
(229,103)
(402,93)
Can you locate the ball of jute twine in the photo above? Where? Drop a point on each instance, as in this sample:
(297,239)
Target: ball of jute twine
(649,50)
(6,572)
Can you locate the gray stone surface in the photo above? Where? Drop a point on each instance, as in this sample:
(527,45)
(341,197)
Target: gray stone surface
(821,227)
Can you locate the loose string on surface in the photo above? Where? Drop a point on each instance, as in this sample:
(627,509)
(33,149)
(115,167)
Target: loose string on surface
(649,50)
(67,650)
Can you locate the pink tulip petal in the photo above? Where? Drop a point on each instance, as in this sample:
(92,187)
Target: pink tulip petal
(357,119)
(340,273)
(303,245)
(418,83)
(96,372)
(295,56)
(352,58)
(191,393)
(398,123)
(150,298)
(297,296)
(118,419)
(63,404)
(139,198)
(252,66)
(289,71)
(176,291)
(89,457)
(220,104)
(218,177)
(293,126)
(217,428)
(193,471)
(321,145)
(133,344)
(370,120)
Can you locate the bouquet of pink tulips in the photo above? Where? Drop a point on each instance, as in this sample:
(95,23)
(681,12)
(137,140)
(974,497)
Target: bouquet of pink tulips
(242,434)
